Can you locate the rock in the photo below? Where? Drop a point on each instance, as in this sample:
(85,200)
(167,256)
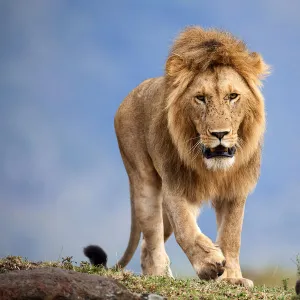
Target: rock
(152,297)
(59,284)
(298,287)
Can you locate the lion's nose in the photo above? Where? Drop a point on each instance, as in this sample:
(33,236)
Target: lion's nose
(219,134)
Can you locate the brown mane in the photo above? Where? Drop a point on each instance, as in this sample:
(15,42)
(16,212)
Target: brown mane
(201,49)
(197,50)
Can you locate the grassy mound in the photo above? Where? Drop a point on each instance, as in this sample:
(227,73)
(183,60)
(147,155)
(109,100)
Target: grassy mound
(168,287)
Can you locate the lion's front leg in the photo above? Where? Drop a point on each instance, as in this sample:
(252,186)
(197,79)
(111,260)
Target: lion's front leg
(230,215)
(206,258)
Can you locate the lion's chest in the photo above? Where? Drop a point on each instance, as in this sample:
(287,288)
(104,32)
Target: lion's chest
(226,187)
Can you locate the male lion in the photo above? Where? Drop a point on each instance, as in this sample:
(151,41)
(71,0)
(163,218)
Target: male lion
(192,135)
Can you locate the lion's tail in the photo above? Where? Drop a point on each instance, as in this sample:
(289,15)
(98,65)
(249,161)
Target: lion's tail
(97,256)
(135,234)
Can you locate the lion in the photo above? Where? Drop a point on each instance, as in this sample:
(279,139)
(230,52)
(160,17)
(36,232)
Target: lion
(191,136)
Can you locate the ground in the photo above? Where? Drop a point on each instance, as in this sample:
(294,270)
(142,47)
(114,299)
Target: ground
(170,288)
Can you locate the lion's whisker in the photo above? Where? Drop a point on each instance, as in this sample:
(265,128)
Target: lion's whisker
(193,138)
(195,146)
(195,156)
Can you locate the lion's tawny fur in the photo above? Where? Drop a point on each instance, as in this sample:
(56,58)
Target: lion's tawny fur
(158,127)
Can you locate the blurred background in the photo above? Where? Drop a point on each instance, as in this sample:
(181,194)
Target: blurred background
(65,67)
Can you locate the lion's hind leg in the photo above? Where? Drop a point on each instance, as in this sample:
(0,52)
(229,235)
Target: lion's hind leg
(168,230)
(147,200)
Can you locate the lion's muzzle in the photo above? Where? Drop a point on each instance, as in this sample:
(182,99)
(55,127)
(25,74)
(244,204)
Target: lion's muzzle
(219,151)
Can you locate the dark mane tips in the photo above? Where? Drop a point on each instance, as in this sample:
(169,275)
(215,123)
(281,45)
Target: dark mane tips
(211,45)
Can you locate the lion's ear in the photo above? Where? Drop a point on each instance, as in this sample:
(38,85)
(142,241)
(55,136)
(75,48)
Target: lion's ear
(261,67)
(174,65)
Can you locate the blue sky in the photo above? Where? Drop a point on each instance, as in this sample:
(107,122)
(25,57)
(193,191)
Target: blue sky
(65,67)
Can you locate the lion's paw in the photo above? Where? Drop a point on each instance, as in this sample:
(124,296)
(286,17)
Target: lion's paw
(240,281)
(211,270)
(212,266)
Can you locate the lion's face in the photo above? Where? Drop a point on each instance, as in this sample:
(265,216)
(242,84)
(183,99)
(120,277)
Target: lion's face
(216,103)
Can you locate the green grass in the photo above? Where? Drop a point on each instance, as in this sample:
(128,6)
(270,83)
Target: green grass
(297,262)
(168,287)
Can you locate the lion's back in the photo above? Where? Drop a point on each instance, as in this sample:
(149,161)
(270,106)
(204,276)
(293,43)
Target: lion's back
(135,116)
(133,109)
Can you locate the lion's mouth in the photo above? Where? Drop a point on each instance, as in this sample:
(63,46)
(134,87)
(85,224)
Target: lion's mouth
(219,151)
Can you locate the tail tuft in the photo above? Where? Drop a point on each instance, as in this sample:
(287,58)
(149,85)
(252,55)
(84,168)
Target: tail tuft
(298,287)
(96,255)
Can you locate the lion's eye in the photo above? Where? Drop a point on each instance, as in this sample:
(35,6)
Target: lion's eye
(200,98)
(232,96)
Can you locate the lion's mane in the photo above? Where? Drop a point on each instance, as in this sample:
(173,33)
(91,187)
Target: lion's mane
(197,50)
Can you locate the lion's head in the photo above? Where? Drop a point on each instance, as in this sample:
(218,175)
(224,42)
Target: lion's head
(214,105)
